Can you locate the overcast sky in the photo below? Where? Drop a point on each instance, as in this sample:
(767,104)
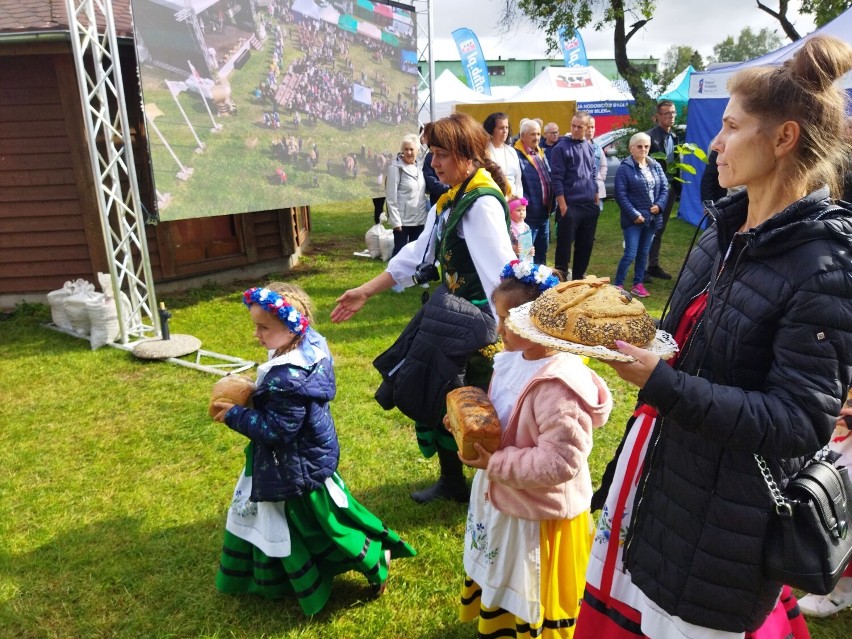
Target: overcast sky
(700,24)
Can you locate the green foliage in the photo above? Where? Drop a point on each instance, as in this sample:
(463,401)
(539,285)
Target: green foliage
(675,59)
(824,11)
(747,46)
(697,61)
(551,16)
(677,168)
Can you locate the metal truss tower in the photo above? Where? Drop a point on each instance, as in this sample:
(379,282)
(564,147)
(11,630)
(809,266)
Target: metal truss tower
(96,58)
(423,10)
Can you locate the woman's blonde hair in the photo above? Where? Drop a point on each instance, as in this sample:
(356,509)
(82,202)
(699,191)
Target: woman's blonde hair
(296,296)
(804,90)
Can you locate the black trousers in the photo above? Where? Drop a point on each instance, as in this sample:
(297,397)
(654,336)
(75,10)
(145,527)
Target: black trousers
(577,227)
(406,235)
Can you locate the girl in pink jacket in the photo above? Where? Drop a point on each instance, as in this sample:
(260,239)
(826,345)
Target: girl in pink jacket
(529,529)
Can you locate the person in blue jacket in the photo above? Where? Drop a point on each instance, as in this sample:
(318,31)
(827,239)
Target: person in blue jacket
(641,191)
(292,524)
(572,165)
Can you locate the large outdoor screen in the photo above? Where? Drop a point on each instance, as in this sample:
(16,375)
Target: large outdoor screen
(252,105)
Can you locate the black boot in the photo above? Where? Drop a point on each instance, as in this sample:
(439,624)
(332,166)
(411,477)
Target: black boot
(450,485)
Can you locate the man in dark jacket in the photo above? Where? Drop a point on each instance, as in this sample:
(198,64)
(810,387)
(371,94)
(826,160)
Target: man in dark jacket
(550,138)
(538,191)
(663,140)
(573,177)
(434,187)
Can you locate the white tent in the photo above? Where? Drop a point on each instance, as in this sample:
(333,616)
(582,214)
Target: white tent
(503,93)
(582,84)
(307,8)
(330,14)
(449,91)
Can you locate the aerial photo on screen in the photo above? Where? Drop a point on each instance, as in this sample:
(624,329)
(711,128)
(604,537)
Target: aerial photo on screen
(254,105)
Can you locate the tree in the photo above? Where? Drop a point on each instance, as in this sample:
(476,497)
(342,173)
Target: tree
(553,15)
(824,10)
(781,16)
(696,61)
(676,59)
(748,45)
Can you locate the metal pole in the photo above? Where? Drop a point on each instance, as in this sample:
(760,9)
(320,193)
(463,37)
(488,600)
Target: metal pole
(431,59)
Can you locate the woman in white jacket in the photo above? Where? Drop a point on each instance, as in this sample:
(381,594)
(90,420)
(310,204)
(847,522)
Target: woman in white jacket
(405,190)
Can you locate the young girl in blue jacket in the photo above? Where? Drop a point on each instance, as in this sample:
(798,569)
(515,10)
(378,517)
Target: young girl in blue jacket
(292,524)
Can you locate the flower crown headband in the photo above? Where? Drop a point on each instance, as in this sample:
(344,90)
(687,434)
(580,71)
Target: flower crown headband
(279,306)
(537,274)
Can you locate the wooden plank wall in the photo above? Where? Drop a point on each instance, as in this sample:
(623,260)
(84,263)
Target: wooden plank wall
(50,228)
(44,238)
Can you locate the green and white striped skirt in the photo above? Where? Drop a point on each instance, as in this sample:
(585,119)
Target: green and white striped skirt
(325,538)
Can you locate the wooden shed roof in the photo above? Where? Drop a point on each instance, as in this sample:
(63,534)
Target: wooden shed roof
(39,16)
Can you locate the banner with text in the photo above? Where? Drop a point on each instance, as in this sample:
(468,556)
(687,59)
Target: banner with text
(472,60)
(573,49)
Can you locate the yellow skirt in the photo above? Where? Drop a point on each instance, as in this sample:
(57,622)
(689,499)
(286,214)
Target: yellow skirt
(565,548)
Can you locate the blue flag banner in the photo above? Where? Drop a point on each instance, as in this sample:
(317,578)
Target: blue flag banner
(573,49)
(472,60)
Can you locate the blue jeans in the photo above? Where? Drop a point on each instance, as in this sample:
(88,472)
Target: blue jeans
(637,243)
(541,239)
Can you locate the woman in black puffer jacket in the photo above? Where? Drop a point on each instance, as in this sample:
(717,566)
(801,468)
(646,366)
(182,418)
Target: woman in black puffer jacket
(762,312)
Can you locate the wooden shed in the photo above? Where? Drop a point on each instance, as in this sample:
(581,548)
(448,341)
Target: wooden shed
(50,229)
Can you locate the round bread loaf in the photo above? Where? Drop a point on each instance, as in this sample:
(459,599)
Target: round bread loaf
(592,312)
(234,389)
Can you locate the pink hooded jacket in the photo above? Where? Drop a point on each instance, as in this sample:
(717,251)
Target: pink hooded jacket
(541,469)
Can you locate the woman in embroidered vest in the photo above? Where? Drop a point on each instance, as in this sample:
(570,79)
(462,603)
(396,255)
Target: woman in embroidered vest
(762,369)
(467,233)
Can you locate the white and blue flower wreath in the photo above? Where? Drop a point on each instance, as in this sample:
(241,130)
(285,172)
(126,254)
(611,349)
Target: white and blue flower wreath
(537,274)
(279,306)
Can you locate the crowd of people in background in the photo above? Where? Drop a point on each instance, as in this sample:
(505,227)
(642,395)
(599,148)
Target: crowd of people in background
(562,180)
(322,85)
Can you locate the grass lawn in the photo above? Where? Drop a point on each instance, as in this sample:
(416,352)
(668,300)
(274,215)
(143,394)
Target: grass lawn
(115,483)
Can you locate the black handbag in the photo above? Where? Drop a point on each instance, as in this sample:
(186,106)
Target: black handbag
(807,544)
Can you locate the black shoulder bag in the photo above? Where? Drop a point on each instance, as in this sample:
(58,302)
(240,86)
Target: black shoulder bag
(807,544)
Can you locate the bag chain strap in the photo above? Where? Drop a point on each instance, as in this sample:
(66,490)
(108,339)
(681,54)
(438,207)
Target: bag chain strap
(782,506)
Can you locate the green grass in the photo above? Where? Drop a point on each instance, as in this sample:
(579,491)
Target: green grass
(115,483)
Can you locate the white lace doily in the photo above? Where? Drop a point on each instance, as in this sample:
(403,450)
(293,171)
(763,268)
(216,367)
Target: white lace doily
(519,321)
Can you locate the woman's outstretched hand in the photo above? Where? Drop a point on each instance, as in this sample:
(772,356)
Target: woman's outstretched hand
(348,304)
(636,372)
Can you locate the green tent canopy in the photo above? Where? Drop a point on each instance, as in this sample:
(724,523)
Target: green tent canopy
(678,89)
(347,23)
(390,38)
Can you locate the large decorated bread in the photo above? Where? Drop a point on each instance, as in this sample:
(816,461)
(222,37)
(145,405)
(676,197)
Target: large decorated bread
(233,389)
(592,312)
(473,420)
